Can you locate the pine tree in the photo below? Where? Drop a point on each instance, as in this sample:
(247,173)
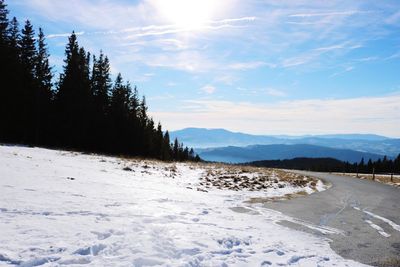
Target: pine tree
(100,90)
(87,116)
(29,95)
(158,139)
(44,78)
(167,151)
(11,90)
(28,49)
(73,97)
(119,115)
(101,83)
(3,22)
(14,36)
(176,150)
(135,130)
(5,93)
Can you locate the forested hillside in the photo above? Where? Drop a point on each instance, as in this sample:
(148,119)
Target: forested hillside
(333,165)
(81,109)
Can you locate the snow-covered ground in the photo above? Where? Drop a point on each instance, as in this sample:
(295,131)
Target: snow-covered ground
(62,208)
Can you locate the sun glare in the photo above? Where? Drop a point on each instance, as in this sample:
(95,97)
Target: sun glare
(188,14)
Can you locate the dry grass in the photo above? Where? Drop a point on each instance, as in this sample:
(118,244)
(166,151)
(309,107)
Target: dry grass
(236,178)
(226,177)
(381,178)
(389,263)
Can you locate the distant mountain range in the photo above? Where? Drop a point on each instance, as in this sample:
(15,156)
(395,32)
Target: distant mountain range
(234,154)
(356,145)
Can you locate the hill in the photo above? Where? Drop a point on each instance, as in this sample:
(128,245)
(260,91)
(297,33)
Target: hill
(206,138)
(314,164)
(234,154)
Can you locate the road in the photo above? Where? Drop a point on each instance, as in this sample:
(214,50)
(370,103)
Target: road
(358,208)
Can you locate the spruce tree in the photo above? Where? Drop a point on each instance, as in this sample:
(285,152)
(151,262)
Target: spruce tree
(87,116)
(176,150)
(100,90)
(5,125)
(44,78)
(167,151)
(73,97)
(119,115)
(3,22)
(28,49)
(29,95)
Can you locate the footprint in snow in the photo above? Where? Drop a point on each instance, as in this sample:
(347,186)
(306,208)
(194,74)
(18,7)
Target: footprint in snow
(93,250)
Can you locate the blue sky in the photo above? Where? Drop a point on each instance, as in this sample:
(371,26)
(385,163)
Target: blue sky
(266,67)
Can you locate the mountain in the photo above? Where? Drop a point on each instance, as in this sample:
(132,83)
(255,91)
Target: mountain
(202,138)
(205,138)
(234,154)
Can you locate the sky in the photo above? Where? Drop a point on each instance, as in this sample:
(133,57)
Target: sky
(254,66)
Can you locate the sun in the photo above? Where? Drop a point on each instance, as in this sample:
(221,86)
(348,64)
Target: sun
(188,14)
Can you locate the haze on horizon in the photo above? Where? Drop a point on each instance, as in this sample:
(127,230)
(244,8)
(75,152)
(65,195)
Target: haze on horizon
(261,67)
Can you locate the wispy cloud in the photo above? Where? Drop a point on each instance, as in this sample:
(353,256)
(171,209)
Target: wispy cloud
(329,14)
(52,36)
(167,29)
(368,59)
(394,18)
(249,65)
(275,92)
(393,56)
(345,69)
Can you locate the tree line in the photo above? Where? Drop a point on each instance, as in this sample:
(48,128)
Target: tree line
(84,109)
(383,165)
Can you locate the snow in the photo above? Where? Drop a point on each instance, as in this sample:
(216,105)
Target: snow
(391,223)
(62,208)
(378,228)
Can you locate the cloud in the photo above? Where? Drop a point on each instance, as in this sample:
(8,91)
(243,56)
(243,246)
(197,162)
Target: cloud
(167,29)
(145,77)
(52,36)
(316,53)
(249,65)
(208,89)
(329,14)
(275,92)
(368,59)
(379,115)
(228,79)
(345,45)
(114,25)
(346,69)
(393,19)
(393,56)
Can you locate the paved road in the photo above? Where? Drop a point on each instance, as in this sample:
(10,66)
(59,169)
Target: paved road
(351,205)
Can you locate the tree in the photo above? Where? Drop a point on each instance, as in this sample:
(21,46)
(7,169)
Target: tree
(167,151)
(13,36)
(100,90)
(119,115)
(3,22)
(28,49)
(176,150)
(86,112)
(29,93)
(10,75)
(44,92)
(5,92)
(73,97)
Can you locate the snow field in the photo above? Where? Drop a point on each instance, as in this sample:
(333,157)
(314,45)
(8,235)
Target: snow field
(63,208)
